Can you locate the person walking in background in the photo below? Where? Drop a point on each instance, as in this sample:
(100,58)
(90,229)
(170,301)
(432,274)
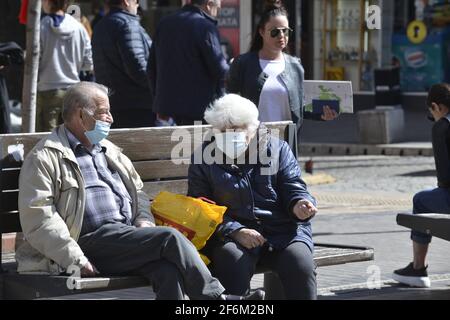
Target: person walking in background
(269,77)
(436,200)
(99,11)
(187,68)
(87,75)
(65,52)
(10,54)
(121,49)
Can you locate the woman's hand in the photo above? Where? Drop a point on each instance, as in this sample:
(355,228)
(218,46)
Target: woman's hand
(329,114)
(248,238)
(304,210)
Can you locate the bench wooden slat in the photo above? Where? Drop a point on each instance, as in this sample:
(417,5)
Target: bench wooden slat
(175,186)
(341,256)
(9,201)
(437,225)
(10,179)
(10,222)
(148,170)
(110,283)
(163,169)
(28,140)
(137,144)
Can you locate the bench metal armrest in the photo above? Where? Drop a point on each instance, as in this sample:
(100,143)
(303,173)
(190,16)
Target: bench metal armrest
(436,225)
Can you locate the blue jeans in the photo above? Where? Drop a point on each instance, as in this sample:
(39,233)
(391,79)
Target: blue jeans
(430,201)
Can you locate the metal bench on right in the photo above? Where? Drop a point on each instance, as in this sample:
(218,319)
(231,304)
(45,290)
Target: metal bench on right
(434,224)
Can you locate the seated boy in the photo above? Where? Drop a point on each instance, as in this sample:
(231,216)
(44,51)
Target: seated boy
(436,200)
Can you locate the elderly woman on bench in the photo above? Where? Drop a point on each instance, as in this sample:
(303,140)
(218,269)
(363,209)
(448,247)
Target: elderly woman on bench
(268,221)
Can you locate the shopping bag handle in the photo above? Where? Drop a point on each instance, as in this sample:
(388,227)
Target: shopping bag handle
(206,200)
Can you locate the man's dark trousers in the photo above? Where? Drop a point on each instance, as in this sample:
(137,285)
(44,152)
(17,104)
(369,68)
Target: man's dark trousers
(161,254)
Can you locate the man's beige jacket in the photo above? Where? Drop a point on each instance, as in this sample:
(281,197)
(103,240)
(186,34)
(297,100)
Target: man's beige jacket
(52,200)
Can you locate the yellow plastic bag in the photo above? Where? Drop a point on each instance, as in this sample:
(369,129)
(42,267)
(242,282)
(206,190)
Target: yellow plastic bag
(195,218)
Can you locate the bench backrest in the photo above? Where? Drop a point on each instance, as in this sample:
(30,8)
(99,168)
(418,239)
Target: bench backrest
(150,150)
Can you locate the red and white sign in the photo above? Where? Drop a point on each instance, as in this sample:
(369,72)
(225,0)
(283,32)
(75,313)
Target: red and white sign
(229,23)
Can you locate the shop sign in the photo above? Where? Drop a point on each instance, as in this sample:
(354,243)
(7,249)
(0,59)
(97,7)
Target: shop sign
(229,27)
(417,32)
(228,17)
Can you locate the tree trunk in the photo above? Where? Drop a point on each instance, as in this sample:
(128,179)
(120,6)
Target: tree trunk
(31,67)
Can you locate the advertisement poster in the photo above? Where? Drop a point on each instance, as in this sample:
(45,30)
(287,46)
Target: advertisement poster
(229,23)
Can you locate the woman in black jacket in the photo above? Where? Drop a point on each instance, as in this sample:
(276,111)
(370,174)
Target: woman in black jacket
(267,222)
(268,76)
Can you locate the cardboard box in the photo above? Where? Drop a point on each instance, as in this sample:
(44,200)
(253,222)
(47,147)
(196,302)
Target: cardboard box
(316,90)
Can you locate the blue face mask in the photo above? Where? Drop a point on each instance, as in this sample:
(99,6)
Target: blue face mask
(100,132)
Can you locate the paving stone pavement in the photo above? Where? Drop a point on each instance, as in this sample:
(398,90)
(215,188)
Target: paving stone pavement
(376,175)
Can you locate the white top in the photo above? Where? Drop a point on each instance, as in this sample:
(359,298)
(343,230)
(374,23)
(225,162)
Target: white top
(274,99)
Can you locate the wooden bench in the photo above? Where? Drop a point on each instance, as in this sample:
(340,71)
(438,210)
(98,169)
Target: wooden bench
(150,151)
(434,224)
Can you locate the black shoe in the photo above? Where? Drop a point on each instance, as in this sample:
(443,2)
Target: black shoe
(412,277)
(257,295)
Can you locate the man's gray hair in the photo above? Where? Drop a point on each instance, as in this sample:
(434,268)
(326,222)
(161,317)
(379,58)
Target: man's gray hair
(82,95)
(232,111)
(203,2)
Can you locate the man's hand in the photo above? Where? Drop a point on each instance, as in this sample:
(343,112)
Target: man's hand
(89,270)
(329,114)
(144,224)
(304,210)
(248,238)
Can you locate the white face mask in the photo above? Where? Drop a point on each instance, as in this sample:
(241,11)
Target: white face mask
(233,144)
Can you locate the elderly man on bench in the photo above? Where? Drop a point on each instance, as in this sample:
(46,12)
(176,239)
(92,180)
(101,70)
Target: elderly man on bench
(436,200)
(81,205)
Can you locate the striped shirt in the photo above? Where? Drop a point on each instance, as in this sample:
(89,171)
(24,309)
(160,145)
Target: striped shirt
(107,199)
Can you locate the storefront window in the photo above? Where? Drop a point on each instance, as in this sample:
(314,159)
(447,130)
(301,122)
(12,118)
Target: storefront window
(421,43)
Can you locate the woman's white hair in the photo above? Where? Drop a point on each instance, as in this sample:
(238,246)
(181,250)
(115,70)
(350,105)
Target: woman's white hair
(232,111)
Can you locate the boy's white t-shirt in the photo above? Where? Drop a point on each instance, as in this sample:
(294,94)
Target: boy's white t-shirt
(274,98)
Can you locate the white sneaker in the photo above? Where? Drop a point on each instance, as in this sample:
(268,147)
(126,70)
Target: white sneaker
(412,277)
